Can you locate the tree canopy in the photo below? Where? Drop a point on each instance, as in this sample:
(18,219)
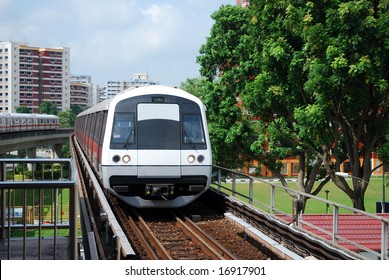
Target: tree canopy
(23,109)
(47,107)
(66,118)
(311,81)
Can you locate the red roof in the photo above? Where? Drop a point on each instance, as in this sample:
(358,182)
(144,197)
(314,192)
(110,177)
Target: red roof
(358,228)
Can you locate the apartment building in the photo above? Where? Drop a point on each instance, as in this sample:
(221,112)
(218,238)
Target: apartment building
(82,91)
(138,79)
(31,75)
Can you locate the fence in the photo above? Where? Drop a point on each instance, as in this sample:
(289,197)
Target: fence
(38,209)
(285,203)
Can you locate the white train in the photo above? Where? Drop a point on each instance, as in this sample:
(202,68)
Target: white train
(150,146)
(13,122)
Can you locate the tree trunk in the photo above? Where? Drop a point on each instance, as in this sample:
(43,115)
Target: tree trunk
(359,203)
(359,198)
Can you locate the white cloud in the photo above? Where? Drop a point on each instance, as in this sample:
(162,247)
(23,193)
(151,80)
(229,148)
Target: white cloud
(156,13)
(112,39)
(160,24)
(153,31)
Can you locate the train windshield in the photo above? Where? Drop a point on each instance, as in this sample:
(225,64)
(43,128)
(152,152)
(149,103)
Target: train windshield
(123,130)
(158,126)
(193,129)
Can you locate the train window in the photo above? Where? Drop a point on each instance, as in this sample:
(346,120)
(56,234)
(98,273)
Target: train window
(192,129)
(96,135)
(105,113)
(123,131)
(92,126)
(158,126)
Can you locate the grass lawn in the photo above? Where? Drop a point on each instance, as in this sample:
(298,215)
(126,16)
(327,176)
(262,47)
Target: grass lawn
(47,208)
(44,233)
(283,200)
(47,199)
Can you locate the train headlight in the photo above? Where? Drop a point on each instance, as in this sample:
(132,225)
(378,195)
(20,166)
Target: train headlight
(116,158)
(200,158)
(126,159)
(191,158)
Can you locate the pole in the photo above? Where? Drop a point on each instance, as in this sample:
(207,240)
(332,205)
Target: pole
(327,205)
(383,188)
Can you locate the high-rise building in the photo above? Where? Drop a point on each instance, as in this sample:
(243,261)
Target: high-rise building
(31,75)
(138,79)
(82,91)
(79,94)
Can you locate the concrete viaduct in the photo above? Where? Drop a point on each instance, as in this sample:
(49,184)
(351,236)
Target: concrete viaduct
(30,140)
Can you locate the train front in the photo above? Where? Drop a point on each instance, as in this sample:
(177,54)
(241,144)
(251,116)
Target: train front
(159,149)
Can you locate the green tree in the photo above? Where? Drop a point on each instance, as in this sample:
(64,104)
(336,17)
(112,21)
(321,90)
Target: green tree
(195,86)
(313,76)
(220,58)
(76,109)
(332,75)
(66,118)
(230,59)
(23,109)
(47,107)
(334,56)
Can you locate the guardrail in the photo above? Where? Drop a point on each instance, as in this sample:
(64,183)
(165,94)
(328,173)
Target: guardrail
(113,234)
(37,200)
(262,194)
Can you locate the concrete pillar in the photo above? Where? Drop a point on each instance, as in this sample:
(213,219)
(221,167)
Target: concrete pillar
(31,153)
(56,151)
(3,202)
(2,171)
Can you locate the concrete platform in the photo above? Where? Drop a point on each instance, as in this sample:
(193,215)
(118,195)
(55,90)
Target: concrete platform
(31,249)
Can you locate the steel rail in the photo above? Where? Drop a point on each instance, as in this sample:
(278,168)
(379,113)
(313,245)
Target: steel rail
(152,243)
(207,242)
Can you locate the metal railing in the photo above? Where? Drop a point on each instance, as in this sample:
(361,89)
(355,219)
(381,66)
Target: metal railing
(109,226)
(262,194)
(38,205)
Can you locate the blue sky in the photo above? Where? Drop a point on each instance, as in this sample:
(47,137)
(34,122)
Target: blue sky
(111,40)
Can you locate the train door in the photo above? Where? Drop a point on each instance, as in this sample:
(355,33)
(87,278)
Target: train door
(101,139)
(3,125)
(9,124)
(158,139)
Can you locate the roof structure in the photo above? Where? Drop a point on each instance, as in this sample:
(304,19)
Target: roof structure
(358,228)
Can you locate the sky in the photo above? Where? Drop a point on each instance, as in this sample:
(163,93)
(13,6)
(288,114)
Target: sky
(113,39)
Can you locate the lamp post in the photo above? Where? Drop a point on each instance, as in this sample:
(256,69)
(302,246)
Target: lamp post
(345,175)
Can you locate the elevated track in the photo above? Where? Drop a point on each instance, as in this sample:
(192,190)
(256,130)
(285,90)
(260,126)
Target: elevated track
(115,231)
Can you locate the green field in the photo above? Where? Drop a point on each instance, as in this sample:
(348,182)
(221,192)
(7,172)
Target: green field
(283,201)
(39,206)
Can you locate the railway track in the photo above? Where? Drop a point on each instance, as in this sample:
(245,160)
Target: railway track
(178,238)
(153,234)
(173,235)
(197,232)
